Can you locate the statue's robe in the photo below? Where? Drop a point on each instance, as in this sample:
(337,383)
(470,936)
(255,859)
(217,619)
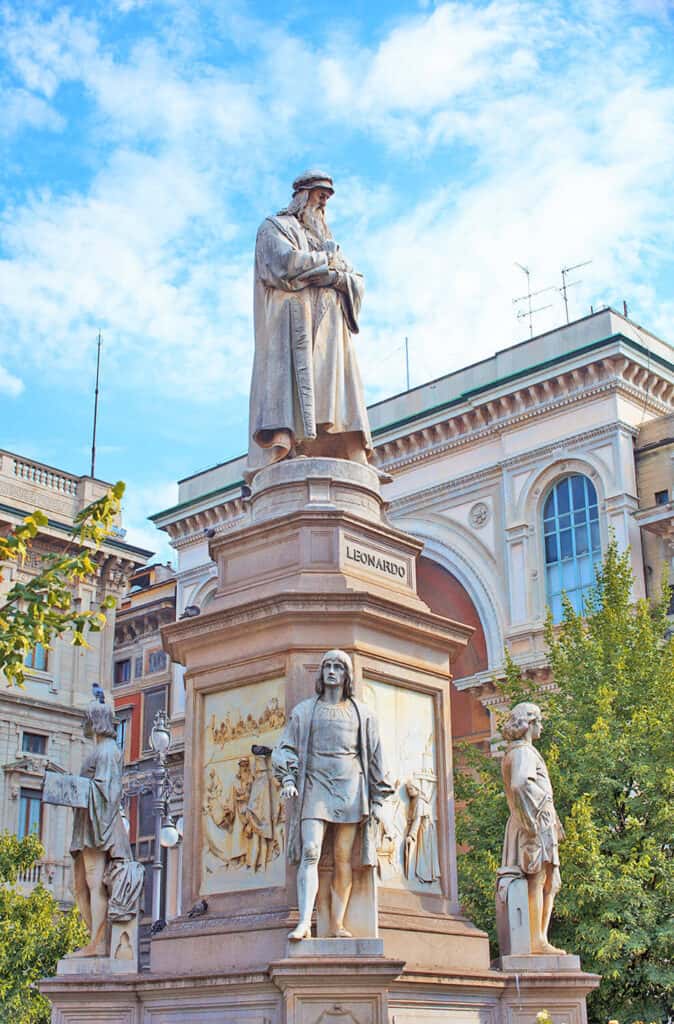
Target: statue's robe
(99,826)
(305,378)
(289,763)
(533,831)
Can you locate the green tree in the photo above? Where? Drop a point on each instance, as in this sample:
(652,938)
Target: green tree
(34,934)
(42,609)
(607,741)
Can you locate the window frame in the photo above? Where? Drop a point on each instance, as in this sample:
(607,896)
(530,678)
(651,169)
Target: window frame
(121,682)
(37,735)
(29,659)
(159,652)
(29,796)
(578,592)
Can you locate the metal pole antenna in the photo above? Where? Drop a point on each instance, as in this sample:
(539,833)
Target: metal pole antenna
(407,362)
(563,289)
(93,438)
(528,296)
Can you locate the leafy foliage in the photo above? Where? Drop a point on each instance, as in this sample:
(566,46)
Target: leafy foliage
(34,934)
(42,609)
(607,741)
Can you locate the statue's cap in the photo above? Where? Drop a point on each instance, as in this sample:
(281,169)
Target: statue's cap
(313,179)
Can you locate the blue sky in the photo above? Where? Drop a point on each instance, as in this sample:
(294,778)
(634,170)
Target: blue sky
(142,142)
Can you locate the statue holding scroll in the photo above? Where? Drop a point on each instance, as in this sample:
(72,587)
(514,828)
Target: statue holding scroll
(533,831)
(107,881)
(329,759)
(306,396)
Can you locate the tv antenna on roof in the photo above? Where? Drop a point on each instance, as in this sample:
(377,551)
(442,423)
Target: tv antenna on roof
(529,311)
(570,284)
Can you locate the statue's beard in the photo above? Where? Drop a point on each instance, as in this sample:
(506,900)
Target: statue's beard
(314,220)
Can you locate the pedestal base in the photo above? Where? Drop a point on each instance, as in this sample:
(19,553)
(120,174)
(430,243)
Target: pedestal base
(537,963)
(334,989)
(84,966)
(336,947)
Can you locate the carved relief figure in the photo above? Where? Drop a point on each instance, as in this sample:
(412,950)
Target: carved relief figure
(421,841)
(306,394)
(533,831)
(107,881)
(329,759)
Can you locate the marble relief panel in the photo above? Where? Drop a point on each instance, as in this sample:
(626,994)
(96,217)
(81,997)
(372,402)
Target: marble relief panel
(408,845)
(243,826)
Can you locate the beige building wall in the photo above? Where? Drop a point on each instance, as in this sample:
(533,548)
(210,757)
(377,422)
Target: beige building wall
(46,715)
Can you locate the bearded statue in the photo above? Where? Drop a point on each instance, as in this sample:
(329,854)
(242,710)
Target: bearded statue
(306,394)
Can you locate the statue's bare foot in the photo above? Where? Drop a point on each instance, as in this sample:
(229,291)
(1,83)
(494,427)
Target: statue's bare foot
(342,933)
(547,949)
(303,931)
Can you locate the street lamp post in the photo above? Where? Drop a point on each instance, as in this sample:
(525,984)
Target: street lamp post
(165,832)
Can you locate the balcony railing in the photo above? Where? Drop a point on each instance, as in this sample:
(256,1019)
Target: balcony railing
(34,473)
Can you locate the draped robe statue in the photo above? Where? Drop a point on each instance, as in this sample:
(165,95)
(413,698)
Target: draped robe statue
(107,880)
(533,831)
(306,394)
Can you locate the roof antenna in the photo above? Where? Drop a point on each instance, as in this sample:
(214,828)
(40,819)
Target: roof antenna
(625,314)
(571,284)
(93,437)
(529,311)
(407,363)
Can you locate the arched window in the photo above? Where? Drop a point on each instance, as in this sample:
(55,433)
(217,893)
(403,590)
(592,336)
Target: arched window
(572,544)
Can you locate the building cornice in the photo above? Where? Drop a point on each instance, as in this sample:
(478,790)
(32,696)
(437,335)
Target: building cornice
(473,424)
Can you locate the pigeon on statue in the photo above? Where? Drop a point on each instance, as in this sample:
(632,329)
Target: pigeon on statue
(98,693)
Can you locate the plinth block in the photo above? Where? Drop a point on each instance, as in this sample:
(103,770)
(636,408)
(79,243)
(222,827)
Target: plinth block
(334,990)
(85,966)
(538,962)
(336,947)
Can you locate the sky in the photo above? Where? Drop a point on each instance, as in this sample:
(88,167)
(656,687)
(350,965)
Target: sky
(143,141)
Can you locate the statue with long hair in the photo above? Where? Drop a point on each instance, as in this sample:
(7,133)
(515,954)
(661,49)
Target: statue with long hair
(329,760)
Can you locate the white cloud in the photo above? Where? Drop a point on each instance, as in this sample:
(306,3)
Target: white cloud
(9,384)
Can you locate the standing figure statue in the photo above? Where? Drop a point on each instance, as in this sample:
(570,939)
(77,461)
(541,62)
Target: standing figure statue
(306,396)
(533,831)
(107,880)
(329,758)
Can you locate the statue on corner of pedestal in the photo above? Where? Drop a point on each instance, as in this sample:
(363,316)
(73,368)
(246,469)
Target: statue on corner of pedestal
(306,395)
(531,842)
(107,880)
(329,762)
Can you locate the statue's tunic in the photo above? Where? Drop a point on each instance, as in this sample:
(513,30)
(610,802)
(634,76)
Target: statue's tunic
(305,377)
(533,831)
(335,784)
(291,759)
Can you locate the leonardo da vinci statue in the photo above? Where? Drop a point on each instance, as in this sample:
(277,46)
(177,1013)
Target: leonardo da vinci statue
(306,394)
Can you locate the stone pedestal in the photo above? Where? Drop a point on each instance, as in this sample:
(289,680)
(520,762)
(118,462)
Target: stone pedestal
(335,990)
(314,566)
(123,959)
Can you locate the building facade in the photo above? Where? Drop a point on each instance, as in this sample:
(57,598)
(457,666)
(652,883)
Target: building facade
(514,472)
(41,725)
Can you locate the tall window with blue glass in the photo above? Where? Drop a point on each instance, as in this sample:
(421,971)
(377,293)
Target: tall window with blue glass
(572,541)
